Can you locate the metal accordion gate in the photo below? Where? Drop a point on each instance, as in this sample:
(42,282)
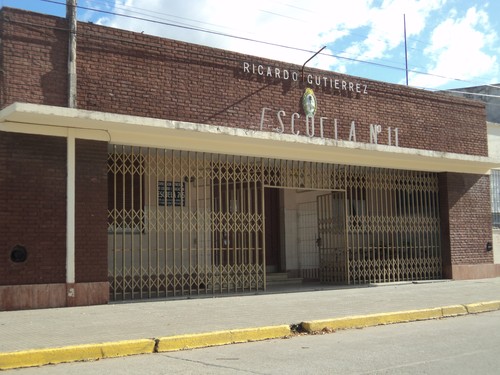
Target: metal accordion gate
(183,223)
(393,225)
(191,223)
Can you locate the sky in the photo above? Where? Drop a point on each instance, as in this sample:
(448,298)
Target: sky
(449,44)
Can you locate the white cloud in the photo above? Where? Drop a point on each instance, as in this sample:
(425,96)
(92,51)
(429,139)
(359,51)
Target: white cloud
(387,26)
(307,26)
(358,29)
(457,50)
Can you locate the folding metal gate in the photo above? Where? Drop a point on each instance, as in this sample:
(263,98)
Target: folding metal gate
(184,223)
(384,227)
(332,238)
(393,226)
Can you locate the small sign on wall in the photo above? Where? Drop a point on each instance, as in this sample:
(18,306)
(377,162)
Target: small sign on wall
(172,193)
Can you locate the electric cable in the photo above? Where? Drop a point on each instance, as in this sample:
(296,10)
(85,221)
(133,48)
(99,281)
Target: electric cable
(192,28)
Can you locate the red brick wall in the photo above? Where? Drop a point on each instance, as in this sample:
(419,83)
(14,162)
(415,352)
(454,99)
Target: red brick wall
(34,58)
(91,251)
(466,214)
(136,74)
(33,208)
(3,82)
(445,225)
(33,214)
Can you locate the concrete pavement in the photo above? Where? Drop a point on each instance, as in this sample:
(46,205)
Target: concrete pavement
(37,337)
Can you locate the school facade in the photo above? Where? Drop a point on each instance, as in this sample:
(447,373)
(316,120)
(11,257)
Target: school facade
(187,170)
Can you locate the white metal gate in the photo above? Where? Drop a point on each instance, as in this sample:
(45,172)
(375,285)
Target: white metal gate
(307,230)
(393,226)
(332,238)
(184,223)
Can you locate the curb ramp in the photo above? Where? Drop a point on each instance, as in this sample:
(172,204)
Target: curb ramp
(92,352)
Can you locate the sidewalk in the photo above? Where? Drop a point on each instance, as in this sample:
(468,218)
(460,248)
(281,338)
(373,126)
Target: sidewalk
(153,326)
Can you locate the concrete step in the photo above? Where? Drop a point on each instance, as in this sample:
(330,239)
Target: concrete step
(281,278)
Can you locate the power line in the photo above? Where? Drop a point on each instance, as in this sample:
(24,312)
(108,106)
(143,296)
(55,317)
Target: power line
(193,28)
(136,43)
(154,14)
(226,35)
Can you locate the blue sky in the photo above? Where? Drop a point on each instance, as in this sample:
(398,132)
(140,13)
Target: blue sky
(450,43)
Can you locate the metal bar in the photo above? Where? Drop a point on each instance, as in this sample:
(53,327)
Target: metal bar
(193,190)
(263,231)
(313,56)
(406,49)
(177,271)
(123,214)
(146,269)
(206,253)
(212,222)
(182,222)
(165,225)
(186,190)
(158,227)
(221,228)
(233,215)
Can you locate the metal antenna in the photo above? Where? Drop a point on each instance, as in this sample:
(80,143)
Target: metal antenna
(406,49)
(312,57)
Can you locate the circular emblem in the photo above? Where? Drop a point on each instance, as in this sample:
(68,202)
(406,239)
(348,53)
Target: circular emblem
(309,102)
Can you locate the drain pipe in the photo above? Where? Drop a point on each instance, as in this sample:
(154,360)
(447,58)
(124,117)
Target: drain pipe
(71,17)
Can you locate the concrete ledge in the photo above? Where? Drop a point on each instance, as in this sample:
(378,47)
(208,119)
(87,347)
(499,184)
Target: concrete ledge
(42,296)
(39,357)
(454,310)
(474,308)
(474,271)
(32,296)
(361,321)
(173,343)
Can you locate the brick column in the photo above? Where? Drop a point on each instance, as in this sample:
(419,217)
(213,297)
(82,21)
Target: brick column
(465,209)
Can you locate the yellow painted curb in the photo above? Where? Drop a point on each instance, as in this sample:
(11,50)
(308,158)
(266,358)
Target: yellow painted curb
(361,321)
(192,341)
(480,307)
(39,357)
(454,310)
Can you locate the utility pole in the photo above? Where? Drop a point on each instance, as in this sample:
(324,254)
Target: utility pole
(71,158)
(71,18)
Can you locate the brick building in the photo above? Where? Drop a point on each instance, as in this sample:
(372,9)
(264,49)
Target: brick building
(490,94)
(188,170)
